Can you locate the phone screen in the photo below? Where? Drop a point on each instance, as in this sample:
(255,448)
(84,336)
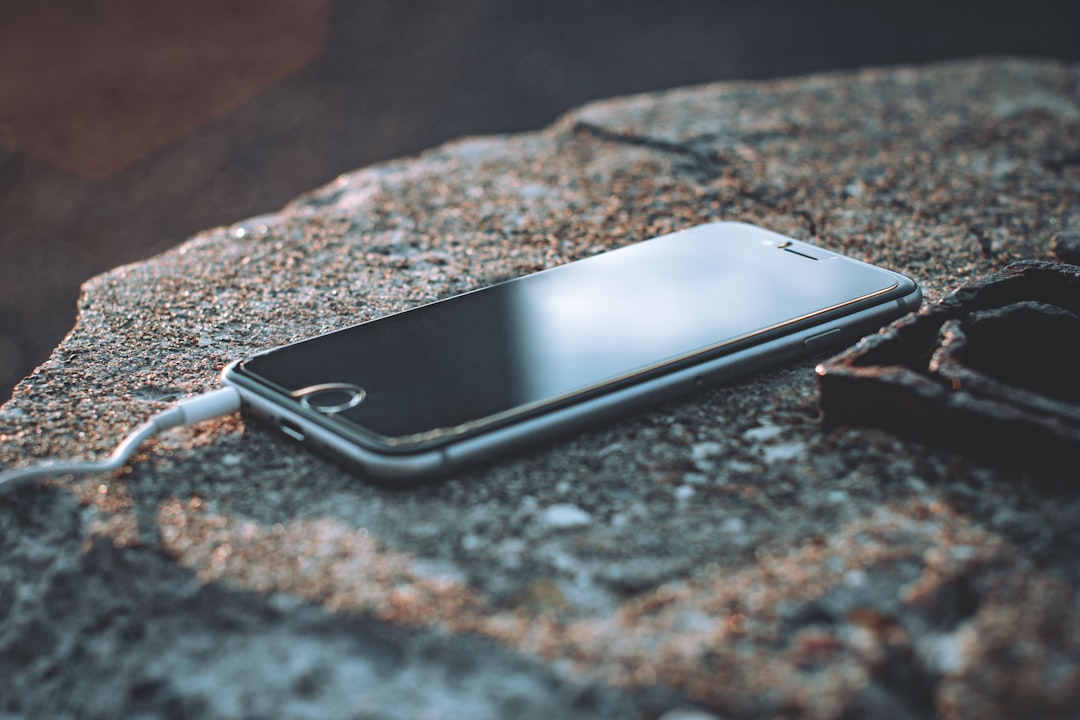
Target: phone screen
(549,337)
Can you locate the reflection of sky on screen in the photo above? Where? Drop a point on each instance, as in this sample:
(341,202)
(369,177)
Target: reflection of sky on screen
(580,327)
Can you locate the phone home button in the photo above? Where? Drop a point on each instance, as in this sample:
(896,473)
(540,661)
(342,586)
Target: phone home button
(330,398)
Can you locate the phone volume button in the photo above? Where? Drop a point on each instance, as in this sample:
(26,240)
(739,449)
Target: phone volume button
(821,340)
(291,429)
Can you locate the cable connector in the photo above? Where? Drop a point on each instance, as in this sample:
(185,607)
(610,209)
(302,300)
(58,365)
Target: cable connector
(217,403)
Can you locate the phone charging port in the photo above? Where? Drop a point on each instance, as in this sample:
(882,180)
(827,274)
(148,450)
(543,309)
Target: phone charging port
(291,429)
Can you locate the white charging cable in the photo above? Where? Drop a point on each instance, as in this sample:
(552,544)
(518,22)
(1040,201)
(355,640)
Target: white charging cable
(217,403)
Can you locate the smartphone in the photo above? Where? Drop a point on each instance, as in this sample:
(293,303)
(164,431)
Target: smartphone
(424,392)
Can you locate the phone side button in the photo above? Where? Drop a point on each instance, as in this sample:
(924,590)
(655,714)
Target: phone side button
(821,340)
(291,430)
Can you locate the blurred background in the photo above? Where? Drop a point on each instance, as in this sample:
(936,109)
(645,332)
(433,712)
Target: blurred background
(127,126)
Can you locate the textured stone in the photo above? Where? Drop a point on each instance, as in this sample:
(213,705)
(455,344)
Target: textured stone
(1066,244)
(1067,247)
(813,572)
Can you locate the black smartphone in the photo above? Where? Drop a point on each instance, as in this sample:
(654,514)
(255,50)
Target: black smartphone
(462,380)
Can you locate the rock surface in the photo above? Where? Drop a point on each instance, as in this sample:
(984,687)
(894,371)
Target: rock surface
(726,556)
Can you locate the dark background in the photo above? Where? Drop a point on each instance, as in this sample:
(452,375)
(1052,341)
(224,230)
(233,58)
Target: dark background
(127,126)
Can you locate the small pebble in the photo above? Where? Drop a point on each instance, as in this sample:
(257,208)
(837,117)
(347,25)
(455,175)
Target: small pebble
(703,450)
(688,712)
(733,525)
(684,492)
(854,578)
(783,451)
(565,516)
(947,653)
(762,432)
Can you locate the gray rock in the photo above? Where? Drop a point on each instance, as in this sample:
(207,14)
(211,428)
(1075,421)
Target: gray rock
(813,572)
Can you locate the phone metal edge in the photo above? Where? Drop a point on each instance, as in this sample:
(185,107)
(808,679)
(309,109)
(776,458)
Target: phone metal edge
(408,469)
